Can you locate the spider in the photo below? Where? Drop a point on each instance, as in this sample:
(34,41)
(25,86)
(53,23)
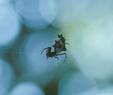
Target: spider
(59,47)
(51,54)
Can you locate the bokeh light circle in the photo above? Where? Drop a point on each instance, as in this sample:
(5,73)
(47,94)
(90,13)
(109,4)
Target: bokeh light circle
(9,24)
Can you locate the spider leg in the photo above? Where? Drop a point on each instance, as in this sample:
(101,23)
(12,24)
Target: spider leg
(43,50)
(63,54)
